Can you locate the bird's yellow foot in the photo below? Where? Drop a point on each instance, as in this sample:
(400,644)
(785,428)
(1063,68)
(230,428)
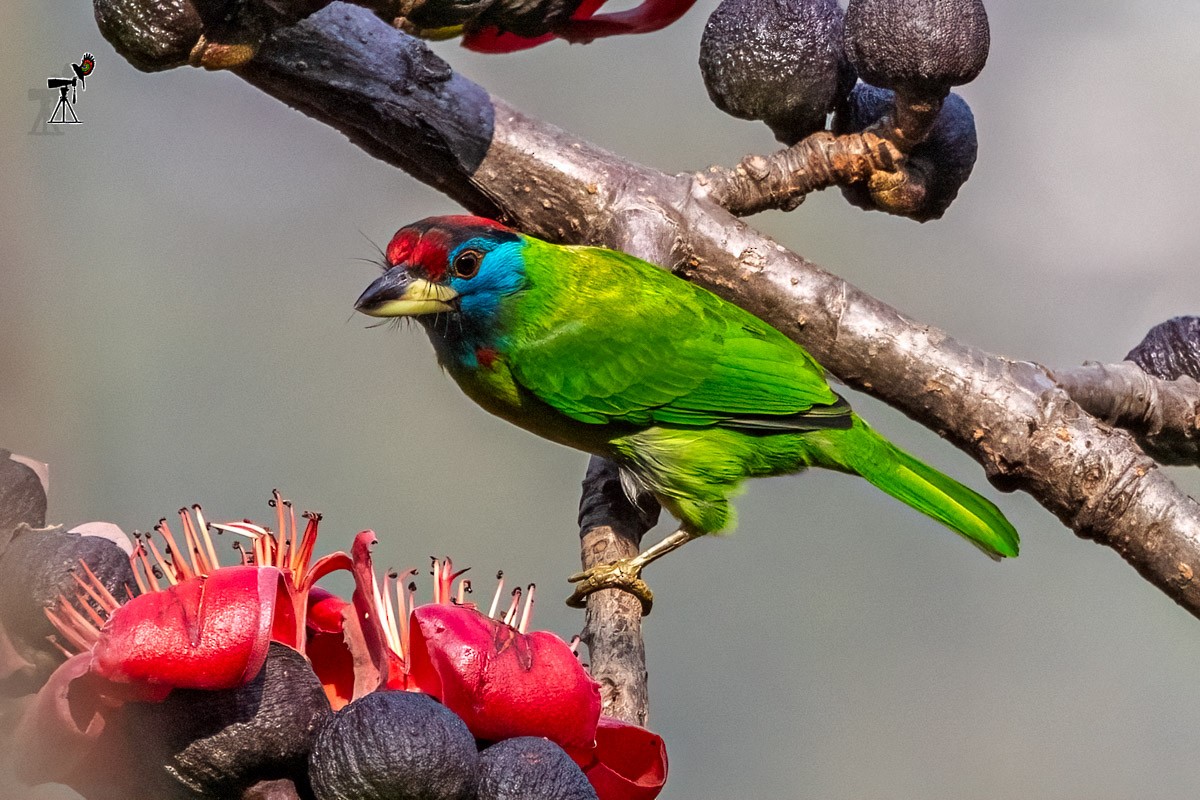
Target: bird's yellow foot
(624,575)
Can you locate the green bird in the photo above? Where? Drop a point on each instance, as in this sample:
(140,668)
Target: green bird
(686,392)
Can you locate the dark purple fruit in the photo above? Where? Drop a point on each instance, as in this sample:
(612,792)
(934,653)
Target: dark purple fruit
(917,47)
(393,746)
(37,567)
(1170,350)
(780,61)
(530,768)
(217,744)
(22,495)
(944,159)
(151,35)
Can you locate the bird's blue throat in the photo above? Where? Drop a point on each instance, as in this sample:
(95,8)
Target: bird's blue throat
(478,322)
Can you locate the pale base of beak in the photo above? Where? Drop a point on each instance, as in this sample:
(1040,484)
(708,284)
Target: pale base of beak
(409,308)
(421,297)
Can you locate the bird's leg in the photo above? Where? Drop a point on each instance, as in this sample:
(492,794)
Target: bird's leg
(626,573)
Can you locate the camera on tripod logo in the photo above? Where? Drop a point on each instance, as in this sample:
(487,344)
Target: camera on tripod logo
(72,85)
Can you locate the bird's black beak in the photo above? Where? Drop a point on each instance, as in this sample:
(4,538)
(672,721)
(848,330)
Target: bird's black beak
(398,293)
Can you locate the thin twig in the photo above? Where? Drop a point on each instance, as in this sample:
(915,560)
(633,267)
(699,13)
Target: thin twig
(783,179)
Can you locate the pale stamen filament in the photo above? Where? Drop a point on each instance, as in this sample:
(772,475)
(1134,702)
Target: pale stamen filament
(510,616)
(527,614)
(178,564)
(496,597)
(202,526)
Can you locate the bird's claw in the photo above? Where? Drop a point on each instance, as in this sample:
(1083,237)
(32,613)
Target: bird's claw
(621,575)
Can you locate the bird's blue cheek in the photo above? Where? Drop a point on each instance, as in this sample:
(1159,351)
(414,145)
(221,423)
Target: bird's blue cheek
(476,305)
(480,298)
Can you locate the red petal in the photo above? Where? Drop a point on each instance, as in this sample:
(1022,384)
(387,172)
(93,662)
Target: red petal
(325,611)
(203,633)
(492,40)
(367,639)
(501,682)
(333,664)
(628,762)
(651,15)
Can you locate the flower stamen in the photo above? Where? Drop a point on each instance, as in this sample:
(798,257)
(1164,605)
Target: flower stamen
(96,590)
(161,569)
(496,597)
(510,616)
(178,563)
(527,614)
(202,527)
(81,628)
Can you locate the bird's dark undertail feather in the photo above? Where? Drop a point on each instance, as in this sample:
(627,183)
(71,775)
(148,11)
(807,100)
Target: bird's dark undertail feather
(836,416)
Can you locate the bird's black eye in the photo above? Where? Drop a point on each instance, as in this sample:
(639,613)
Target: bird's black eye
(466,263)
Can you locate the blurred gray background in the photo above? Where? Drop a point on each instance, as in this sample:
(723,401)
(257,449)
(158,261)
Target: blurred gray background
(176,284)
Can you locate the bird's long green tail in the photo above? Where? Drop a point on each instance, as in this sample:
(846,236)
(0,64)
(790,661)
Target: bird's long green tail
(862,451)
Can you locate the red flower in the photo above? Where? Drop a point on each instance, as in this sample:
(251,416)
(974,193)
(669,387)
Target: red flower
(501,681)
(206,632)
(196,624)
(200,626)
(584,26)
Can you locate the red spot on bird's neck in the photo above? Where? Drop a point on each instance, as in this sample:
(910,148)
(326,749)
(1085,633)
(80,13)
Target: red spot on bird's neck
(486,356)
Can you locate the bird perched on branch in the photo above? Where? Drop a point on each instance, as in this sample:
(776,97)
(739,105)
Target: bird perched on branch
(686,392)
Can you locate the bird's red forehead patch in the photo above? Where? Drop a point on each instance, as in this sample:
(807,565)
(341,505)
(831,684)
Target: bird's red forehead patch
(425,249)
(427,244)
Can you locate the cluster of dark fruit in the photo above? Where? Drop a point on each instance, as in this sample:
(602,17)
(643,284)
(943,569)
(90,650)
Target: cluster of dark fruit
(791,63)
(387,745)
(275,736)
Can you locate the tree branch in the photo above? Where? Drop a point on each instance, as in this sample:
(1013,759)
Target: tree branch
(1164,415)
(404,105)
(611,528)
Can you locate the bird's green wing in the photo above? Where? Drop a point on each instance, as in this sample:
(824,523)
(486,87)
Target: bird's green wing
(605,337)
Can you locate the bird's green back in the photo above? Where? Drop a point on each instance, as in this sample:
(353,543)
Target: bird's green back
(645,347)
